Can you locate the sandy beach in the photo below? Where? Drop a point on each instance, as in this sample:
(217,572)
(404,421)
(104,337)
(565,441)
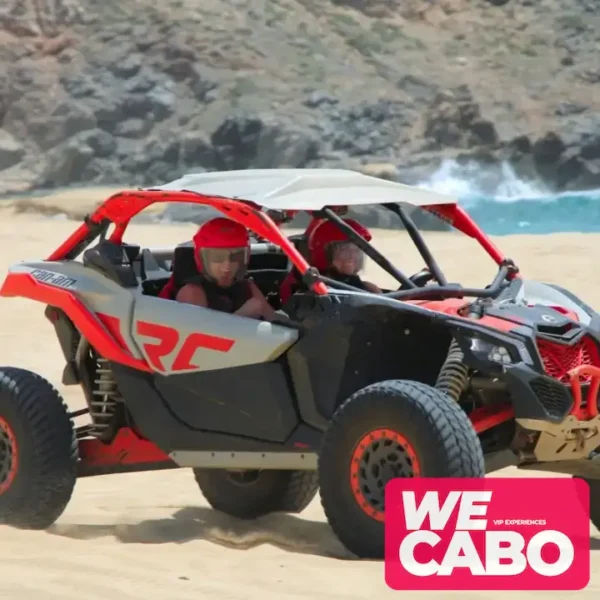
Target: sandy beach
(152,535)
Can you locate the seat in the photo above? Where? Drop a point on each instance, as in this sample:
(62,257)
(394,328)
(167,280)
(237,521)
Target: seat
(183,268)
(114,261)
(153,276)
(292,278)
(286,290)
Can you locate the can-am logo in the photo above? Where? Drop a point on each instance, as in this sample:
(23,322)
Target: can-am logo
(487,534)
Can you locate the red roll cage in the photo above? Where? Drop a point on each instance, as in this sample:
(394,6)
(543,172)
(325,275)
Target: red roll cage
(123,206)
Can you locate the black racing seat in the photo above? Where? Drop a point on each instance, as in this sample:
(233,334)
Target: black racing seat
(184,264)
(153,276)
(113,260)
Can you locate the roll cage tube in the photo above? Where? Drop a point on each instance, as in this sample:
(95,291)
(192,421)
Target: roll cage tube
(419,242)
(80,239)
(458,219)
(120,208)
(454,290)
(369,250)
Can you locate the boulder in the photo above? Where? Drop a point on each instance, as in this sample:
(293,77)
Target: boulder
(454,120)
(251,142)
(11,151)
(378,129)
(66,164)
(65,121)
(197,150)
(133,128)
(548,149)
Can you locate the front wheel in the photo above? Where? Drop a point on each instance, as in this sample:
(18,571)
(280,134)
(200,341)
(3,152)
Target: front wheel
(387,430)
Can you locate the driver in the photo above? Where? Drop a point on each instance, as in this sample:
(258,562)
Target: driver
(221,252)
(337,257)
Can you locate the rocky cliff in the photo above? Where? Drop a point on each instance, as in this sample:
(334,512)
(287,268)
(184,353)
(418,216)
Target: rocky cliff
(139,91)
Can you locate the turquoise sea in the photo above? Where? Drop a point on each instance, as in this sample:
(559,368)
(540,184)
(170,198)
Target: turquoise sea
(502,204)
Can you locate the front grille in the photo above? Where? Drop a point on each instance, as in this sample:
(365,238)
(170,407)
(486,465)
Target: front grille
(559,360)
(553,396)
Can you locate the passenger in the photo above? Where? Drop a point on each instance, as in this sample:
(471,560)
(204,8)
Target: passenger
(293,280)
(222,252)
(338,257)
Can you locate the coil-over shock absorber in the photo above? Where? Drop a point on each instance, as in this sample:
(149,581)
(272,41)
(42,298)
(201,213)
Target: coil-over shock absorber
(105,399)
(454,374)
(101,391)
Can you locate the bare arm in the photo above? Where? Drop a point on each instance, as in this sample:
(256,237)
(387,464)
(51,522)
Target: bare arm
(371,287)
(257,306)
(192,294)
(268,310)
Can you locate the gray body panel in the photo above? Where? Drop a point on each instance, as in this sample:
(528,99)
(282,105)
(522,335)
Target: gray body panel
(98,293)
(251,341)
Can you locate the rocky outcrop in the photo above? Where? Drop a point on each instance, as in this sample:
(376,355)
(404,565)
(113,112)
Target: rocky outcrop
(138,93)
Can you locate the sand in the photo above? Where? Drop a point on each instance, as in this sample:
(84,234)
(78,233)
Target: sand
(151,535)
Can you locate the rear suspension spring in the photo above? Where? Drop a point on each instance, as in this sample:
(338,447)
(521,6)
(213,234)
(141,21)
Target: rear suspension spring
(105,399)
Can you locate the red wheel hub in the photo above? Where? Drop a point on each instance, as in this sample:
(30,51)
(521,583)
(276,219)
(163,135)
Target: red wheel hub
(8,456)
(379,456)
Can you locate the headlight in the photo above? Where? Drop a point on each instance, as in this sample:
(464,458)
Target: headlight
(492,352)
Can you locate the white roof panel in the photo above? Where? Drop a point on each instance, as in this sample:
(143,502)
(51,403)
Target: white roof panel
(304,189)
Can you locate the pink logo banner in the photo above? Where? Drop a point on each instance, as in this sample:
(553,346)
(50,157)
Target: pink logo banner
(487,534)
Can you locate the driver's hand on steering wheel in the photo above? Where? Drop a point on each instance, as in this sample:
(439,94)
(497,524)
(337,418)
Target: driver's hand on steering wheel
(420,279)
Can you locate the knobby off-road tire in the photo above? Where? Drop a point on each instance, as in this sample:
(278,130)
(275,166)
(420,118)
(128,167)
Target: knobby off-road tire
(38,451)
(251,494)
(387,430)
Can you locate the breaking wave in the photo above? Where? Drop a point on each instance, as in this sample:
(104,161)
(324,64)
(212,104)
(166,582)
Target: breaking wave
(502,204)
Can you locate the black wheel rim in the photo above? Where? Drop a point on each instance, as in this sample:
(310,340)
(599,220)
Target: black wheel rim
(381,461)
(244,478)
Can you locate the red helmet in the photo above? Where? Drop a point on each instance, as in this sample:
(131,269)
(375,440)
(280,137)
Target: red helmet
(327,233)
(221,240)
(316,221)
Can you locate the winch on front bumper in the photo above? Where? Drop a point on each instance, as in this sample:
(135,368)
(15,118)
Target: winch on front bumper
(560,420)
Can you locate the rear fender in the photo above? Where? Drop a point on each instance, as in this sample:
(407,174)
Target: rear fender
(99,308)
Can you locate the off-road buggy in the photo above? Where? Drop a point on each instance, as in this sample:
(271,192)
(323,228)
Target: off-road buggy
(428,380)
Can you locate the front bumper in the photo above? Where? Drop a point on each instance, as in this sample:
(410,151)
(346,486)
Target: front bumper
(539,397)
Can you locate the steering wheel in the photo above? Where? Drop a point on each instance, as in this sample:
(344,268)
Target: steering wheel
(420,279)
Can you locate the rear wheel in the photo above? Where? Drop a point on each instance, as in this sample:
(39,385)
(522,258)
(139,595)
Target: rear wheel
(38,451)
(251,494)
(387,430)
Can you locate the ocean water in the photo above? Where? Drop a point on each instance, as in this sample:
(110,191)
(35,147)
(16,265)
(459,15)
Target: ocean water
(503,204)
